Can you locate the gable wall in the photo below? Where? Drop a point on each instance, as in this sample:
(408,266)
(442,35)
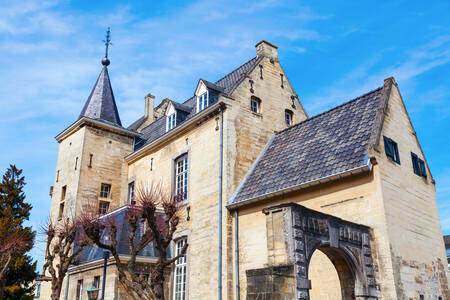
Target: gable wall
(414,229)
(246,135)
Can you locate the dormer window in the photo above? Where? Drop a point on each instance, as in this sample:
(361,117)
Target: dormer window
(202,101)
(171,121)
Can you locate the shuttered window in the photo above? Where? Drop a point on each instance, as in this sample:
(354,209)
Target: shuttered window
(391,149)
(418,165)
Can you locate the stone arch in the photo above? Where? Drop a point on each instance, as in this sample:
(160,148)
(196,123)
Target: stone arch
(346,244)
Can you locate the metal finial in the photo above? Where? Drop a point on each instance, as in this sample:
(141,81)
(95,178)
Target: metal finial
(107,41)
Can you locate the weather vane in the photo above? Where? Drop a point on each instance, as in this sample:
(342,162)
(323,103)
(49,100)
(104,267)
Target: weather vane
(107,41)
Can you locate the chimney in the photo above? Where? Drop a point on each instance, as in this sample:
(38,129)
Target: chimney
(149,106)
(267,49)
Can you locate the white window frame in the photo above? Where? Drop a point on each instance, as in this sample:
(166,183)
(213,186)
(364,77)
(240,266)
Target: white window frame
(181,186)
(289,113)
(105,191)
(101,211)
(171,121)
(180,278)
(201,105)
(79,295)
(131,192)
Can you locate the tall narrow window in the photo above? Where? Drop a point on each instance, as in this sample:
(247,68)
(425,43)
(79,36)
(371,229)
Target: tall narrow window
(288,116)
(202,101)
(79,289)
(105,190)
(180,272)
(96,282)
(63,192)
(131,193)
(76,162)
(38,290)
(61,210)
(391,149)
(57,176)
(90,160)
(103,207)
(181,178)
(255,104)
(171,121)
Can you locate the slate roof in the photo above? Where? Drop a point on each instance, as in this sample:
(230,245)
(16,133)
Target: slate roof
(101,104)
(324,145)
(223,85)
(90,253)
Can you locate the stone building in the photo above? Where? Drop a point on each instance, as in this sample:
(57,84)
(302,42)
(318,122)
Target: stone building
(277,204)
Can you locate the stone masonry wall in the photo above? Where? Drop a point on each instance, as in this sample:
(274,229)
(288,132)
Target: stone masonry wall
(416,244)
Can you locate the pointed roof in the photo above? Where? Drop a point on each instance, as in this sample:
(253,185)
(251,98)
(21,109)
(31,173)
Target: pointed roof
(101,103)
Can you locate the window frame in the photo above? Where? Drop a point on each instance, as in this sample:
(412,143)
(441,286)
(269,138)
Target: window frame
(257,101)
(418,165)
(131,194)
(96,281)
(79,295)
(63,192)
(182,265)
(108,192)
(184,158)
(101,210)
(290,113)
(171,121)
(205,98)
(391,149)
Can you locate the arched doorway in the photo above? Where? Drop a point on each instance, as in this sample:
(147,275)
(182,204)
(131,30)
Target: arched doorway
(332,274)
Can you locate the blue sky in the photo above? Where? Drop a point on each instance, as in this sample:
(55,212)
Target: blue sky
(50,54)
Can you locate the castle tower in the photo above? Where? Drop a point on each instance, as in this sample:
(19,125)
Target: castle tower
(90,168)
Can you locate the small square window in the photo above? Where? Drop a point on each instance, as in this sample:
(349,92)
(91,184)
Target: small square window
(105,190)
(103,207)
(391,149)
(288,116)
(418,165)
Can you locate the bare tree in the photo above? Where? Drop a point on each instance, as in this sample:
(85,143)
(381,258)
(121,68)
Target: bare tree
(64,244)
(160,212)
(11,245)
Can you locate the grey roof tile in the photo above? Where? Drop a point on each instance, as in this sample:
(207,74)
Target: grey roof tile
(332,142)
(101,104)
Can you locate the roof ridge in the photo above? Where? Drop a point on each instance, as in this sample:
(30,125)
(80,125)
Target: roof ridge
(236,69)
(331,109)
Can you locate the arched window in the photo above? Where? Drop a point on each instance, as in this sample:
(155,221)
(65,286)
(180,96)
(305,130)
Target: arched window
(255,104)
(288,117)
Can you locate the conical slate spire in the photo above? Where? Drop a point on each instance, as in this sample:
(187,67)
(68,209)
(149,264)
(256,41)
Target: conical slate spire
(101,103)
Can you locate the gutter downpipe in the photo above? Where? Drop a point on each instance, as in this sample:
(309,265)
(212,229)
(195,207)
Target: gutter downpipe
(67,287)
(236,249)
(220,204)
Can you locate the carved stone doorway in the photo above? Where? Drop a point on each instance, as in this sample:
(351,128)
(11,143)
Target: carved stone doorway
(301,231)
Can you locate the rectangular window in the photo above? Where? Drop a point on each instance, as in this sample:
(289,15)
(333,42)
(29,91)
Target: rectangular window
(255,105)
(202,101)
(288,114)
(80,289)
(181,178)
(180,272)
(103,207)
(105,190)
(391,149)
(61,209)
(418,165)
(96,282)
(171,121)
(63,192)
(38,291)
(131,193)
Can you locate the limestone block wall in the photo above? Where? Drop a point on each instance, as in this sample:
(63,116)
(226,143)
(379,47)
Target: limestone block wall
(103,162)
(201,143)
(416,244)
(70,149)
(357,199)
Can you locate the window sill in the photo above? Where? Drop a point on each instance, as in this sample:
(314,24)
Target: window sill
(183,203)
(259,115)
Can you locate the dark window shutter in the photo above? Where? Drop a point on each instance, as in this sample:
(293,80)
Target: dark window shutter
(415,163)
(395,150)
(423,172)
(388,147)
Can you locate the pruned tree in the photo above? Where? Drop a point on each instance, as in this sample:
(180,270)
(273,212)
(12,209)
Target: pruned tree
(160,212)
(15,239)
(64,244)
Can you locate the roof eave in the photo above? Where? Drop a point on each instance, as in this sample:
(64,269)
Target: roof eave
(365,168)
(85,120)
(135,155)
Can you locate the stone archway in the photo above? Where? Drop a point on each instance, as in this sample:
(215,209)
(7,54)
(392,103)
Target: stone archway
(345,243)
